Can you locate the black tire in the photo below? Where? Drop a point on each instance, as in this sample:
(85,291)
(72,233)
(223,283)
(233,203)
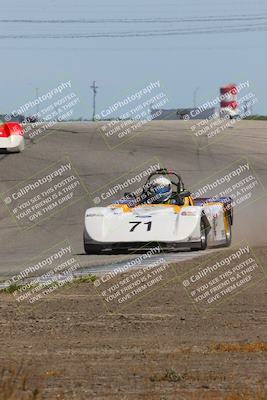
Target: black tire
(203,236)
(230,216)
(92,248)
(228,233)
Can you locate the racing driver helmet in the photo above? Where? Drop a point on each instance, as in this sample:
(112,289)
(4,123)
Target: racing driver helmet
(160,190)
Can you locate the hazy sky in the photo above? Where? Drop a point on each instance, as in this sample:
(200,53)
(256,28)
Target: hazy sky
(123,65)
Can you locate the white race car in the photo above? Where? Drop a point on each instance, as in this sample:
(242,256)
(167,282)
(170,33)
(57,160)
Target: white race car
(183,222)
(11,137)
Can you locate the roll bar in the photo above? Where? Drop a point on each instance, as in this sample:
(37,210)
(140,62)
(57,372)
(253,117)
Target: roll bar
(179,184)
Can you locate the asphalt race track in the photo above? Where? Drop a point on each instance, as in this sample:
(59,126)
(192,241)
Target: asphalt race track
(171,142)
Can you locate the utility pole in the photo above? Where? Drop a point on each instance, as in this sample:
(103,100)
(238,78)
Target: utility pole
(94,88)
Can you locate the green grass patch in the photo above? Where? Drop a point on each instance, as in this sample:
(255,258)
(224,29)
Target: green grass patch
(11,288)
(83,279)
(256,118)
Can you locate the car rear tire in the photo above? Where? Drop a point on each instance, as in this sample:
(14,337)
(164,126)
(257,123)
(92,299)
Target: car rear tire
(203,236)
(228,233)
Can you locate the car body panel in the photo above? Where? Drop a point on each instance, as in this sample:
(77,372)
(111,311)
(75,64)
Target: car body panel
(109,224)
(182,221)
(155,223)
(11,136)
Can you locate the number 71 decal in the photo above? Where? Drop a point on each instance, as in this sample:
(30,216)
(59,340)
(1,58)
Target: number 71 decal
(136,224)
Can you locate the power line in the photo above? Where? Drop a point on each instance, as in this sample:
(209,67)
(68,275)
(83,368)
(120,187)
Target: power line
(174,32)
(210,18)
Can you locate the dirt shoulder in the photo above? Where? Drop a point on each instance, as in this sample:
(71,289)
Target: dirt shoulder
(70,346)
